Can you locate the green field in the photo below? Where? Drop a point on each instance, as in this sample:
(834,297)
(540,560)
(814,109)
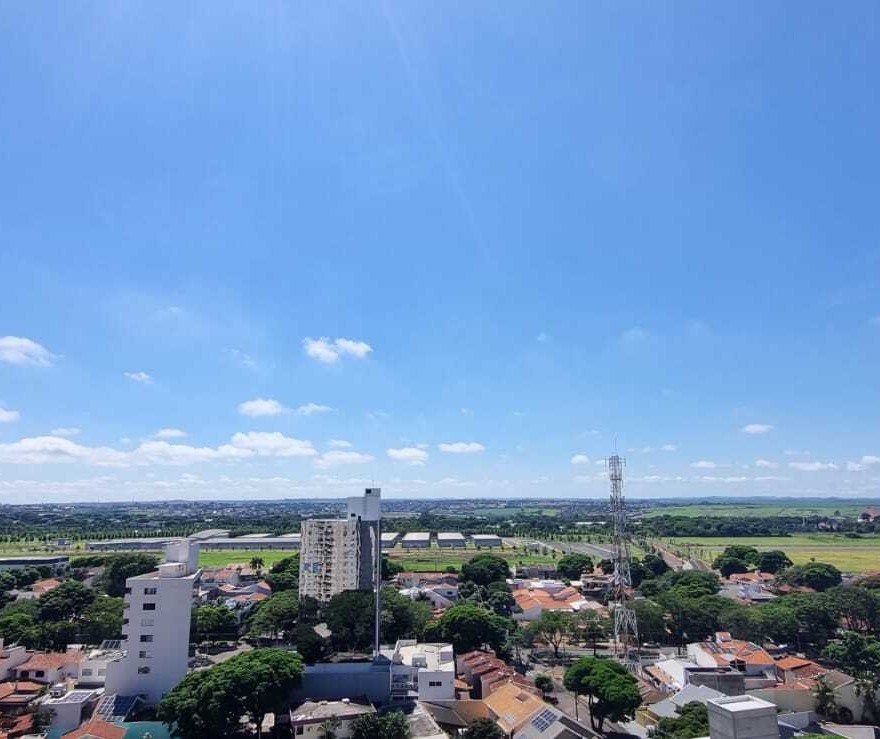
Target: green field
(436,559)
(848,555)
(759,510)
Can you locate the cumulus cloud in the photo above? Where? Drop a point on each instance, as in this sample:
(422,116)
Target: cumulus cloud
(55,449)
(310,409)
(704,464)
(141,377)
(411,454)
(272,444)
(870,459)
(461,447)
(261,407)
(330,351)
(756,428)
(580,459)
(339,444)
(337,458)
(770,478)
(69,431)
(766,464)
(854,467)
(669,448)
(8,416)
(812,466)
(24,352)
(170,433)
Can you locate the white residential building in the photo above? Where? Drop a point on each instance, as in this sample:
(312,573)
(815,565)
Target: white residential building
(742,717)
(341,554)
(10,658)
(67,707)
(422,671)
(157,620)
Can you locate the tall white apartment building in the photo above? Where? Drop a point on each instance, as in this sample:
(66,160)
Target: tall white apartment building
(341,554)
(156,627)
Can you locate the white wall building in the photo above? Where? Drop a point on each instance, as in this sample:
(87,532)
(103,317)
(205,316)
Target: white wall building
(10,658)
(157,620)
(742,717)
(341,554)
(422,671)
(68,707)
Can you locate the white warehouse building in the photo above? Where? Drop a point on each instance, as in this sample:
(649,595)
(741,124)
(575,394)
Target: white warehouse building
(451,539)
(155,642)
(416,540)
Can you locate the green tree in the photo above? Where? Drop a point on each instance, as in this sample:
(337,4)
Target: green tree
(392,725)
(651,621)
(483,728)
(284,574)
(7,581)
(819,576)
(483,569)
(66,602)
(349,616)
(102,619)
(467,627)
(572,566)
(691,583)
(275,615)
(209,703)
(655,564)
(120,567)
(859,656)
(553,628)
(612,692)
(728,566)
(257,564)
(692,721)
(213,621)
(544,683)
(742,552)
(310,646)
(773,561)
(857,609)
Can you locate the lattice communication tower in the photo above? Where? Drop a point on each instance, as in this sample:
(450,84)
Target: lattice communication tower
(626,630)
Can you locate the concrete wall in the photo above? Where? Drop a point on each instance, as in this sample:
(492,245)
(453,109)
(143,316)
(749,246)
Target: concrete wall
(329,681)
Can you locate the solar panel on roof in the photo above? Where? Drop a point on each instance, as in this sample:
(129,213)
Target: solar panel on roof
(111,644)
(544,719)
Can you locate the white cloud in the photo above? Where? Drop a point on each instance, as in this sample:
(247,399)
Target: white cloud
(25,352)
(336,458)
(669,448)
(170,433)
(812,466)
(756,428)
(141,377)
(329,351)
(771,478)
(466,412)
(54,449)
(706,478)
(242,359)
(71,431)
(870,459)
(766,464)
(461,447)
(272,444)
(796,453)
(580,459)
(8,416)
(339,444)
(261,407)
(164,453)
(310,409)
(411,454)
(854,467)
(704,464)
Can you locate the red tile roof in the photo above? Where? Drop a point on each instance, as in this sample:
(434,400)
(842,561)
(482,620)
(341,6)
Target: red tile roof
(49,661)
(96,729)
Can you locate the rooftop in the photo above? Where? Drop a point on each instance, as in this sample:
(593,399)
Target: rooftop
(96,729)
(436,657)
(742,704)
(513,706)
(318,711)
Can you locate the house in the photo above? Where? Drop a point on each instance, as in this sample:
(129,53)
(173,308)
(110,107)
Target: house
(536,571)
(49,667)
(670,707)
(739,655)
(483,672)
(10,658)
(440,596)
(96,729)
(16,696)
(422,671)
(533,598)
(93,665)
(312,718)
(68,707)
(871,513)
(424,579)
(523,715)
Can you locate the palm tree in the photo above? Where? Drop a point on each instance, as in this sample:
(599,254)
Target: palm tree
(257,564)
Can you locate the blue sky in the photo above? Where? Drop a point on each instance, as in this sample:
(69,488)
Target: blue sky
(456,249)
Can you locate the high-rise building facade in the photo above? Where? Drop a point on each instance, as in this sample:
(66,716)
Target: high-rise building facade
(342,554)
(155,642)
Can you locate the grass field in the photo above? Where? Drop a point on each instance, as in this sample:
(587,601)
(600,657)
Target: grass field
(436,559)
(759,510)
(848,555)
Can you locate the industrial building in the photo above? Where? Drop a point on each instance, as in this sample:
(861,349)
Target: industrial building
(341,554)
(389,539)
(155,644)
(416,540)
(451,539)
(58,564)
(486,540)
(291,542)
(153,543)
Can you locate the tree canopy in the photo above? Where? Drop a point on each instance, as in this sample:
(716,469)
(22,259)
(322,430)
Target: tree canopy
(572,566)
(483,569)
(468,626)
(391,725)
(692,721)
(119,567)
(612,692)
(483,728)
(816,575)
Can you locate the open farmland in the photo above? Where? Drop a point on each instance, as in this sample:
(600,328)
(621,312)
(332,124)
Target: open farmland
(845,553)
(762,509)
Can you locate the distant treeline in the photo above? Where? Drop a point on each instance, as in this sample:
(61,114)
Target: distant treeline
(748,526)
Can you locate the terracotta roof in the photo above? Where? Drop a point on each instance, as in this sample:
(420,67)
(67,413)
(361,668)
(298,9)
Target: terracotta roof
(563,600)
(96,729)
(792,663)
(512,706)
(49,661)
(250,597)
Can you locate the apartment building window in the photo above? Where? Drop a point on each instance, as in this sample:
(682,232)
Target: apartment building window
(146,638)
(149,607)
(86,672)
(128,591)
(435,684)
(144,654)
(143,670)
(146,622)
(150,591)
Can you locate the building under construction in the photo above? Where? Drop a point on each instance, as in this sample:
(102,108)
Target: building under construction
(342,554)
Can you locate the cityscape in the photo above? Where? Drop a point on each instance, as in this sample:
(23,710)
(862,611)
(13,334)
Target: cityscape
(435,370)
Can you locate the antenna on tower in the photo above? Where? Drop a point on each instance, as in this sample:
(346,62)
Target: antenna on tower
(626,631)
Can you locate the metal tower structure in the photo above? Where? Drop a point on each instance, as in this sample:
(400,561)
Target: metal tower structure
(626,630)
